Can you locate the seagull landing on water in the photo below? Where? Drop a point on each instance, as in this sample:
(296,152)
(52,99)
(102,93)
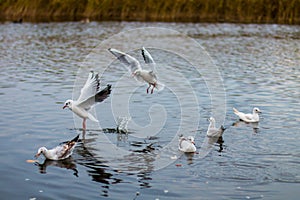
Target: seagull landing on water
(63,151)
(140,74)
(187,145)
(212,131)
(89,96)
(254,117)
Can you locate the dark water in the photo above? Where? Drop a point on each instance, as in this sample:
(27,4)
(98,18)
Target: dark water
(259,65)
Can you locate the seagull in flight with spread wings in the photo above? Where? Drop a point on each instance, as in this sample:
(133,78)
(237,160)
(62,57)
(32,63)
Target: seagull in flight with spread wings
(140,74)
(89,96)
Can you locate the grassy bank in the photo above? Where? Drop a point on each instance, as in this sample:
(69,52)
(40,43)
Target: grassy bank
(237,11)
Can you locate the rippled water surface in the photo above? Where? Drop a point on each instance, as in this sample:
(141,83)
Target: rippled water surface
(258,66)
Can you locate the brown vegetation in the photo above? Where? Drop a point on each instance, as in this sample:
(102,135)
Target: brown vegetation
(237,11)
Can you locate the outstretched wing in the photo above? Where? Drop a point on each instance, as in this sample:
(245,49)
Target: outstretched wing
(147,56)
(129,61)
(90,87)
(148,59)
(99,97)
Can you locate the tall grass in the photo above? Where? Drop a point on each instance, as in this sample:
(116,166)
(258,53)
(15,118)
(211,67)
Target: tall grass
(240,11)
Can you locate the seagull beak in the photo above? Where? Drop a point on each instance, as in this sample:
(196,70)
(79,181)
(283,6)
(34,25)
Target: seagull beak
(64,106)
(37,155)
(133,74)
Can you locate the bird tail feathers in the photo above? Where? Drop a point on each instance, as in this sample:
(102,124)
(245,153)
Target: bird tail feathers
(235,110)
(91,117)
(159,86)
(76,138)
(71,141)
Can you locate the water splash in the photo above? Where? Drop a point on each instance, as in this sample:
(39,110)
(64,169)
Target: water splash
(122,123)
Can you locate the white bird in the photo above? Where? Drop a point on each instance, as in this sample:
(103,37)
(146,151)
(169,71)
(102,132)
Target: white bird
(140,74)
(212,131)
(254,117)
(187,145)
(62,151)
(89,96)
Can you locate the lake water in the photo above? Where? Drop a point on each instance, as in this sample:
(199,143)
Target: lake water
(242,66)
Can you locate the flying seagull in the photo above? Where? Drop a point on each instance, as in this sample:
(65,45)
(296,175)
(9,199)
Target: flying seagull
(62,151)
(89,96)
(254,117)
(140,74)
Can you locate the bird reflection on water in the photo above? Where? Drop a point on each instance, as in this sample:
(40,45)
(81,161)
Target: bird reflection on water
(96,167)
(68,163)
(254,125)
(137,164)
(220,142)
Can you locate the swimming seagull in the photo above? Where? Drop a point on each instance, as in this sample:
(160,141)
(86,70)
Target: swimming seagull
(89,96)
(140,74)
(187,145)
(212,131)
(254,117)
(62,151)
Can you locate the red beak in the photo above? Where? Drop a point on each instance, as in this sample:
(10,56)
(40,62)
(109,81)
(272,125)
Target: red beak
(64,106)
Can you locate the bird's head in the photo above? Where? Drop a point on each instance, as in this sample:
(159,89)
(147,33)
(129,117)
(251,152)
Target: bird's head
(191,139)
(212,120)
(40,151)
(136,72)
(68,104)
(256,110)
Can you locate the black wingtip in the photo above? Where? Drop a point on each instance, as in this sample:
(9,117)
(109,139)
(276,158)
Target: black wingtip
(143,53)
(223,128)
(93,73)
(76,138)
(103,94)
(106,90)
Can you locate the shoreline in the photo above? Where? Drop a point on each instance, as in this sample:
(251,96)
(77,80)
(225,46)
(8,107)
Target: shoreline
(194,11)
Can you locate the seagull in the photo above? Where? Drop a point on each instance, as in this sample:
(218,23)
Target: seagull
(140,74)
(187,145)
(62,151)
(89,96)
(212,131)
(254,117)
